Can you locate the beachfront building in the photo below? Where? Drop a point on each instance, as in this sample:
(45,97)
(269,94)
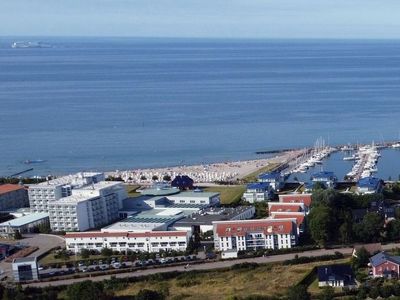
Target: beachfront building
(275,180)
(254,234)
(182,182)
(13,196)
(45,193)
(327,179)
(151,241)
(89,206)
(25,224)
(257,192)
(196,197)
(369,185)
(25,269)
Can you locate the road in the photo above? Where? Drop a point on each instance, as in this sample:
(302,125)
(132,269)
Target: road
(206,266)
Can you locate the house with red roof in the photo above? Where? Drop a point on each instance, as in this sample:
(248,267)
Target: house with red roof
(241,235)
(297,198)
(285,207)
(13,196)
(298,216)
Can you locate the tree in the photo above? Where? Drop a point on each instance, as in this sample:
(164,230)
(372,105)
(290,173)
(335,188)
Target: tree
(143,177)
(87,290)
(17,235)
(393,230)
(361,259)
(85,253)
(167,178)
(320,224)
(106,252)
(261,209)
(327,293)
(44,228)
(369,230)
(154,178)
(149,295)
(298,292)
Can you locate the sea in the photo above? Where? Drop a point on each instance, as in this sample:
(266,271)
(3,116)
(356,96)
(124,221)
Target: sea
(124,103)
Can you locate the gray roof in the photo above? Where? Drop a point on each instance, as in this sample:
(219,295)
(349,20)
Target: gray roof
(382,257)
(25,220)
(24,259)
(207,216)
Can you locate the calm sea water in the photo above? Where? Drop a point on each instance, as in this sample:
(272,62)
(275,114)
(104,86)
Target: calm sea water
(105,104)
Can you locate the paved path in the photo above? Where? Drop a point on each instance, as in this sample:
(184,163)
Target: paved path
(207,266)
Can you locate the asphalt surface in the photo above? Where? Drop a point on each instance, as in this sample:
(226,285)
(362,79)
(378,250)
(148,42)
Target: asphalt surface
(205,266)
(44,242)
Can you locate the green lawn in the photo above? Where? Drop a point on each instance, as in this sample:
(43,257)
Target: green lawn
(252,177)
(229,194)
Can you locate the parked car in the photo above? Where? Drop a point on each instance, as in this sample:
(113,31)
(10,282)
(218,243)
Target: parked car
(116,265)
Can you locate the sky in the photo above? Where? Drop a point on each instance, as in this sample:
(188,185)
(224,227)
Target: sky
(206,18)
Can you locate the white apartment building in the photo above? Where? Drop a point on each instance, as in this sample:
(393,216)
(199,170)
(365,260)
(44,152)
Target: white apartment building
(257,192)
(90,206)
(196,197)
(152,241)
(255,234)
(42,194)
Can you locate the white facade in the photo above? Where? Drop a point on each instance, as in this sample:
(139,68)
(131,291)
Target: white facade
(202,198)
(87,207)
(255,234)
(42,194)
(153,241)
(25,269)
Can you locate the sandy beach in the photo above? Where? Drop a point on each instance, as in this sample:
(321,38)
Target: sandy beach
(207,173)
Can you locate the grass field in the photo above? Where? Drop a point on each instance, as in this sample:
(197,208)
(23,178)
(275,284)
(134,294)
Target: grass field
(229,194)
(220,285)
(252,177)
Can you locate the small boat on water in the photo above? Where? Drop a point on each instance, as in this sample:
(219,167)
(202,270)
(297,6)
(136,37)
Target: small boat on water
(16,45)
(35,161)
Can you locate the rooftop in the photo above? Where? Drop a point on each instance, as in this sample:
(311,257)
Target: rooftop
(25,259)
(296,198)
(102,234)
(207,216)
(25,219)
(6,188)
(336,273)
(195,194)
(258,186)
(78,178)
(369,182)
(242,227)
(382,257)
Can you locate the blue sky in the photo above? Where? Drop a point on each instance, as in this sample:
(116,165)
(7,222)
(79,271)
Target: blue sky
(206,18)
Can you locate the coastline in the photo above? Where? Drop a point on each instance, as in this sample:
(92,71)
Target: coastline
(206,173)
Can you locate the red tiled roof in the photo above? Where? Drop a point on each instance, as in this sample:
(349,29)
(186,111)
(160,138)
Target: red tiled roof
(6,188)
(100,234)
(267,226)
(285,208)
(296,198)
(299,218)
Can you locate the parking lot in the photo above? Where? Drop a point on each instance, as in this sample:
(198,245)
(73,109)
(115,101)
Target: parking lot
(114,263)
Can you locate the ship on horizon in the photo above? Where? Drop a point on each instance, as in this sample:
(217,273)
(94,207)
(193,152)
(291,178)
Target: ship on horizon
(30,45)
